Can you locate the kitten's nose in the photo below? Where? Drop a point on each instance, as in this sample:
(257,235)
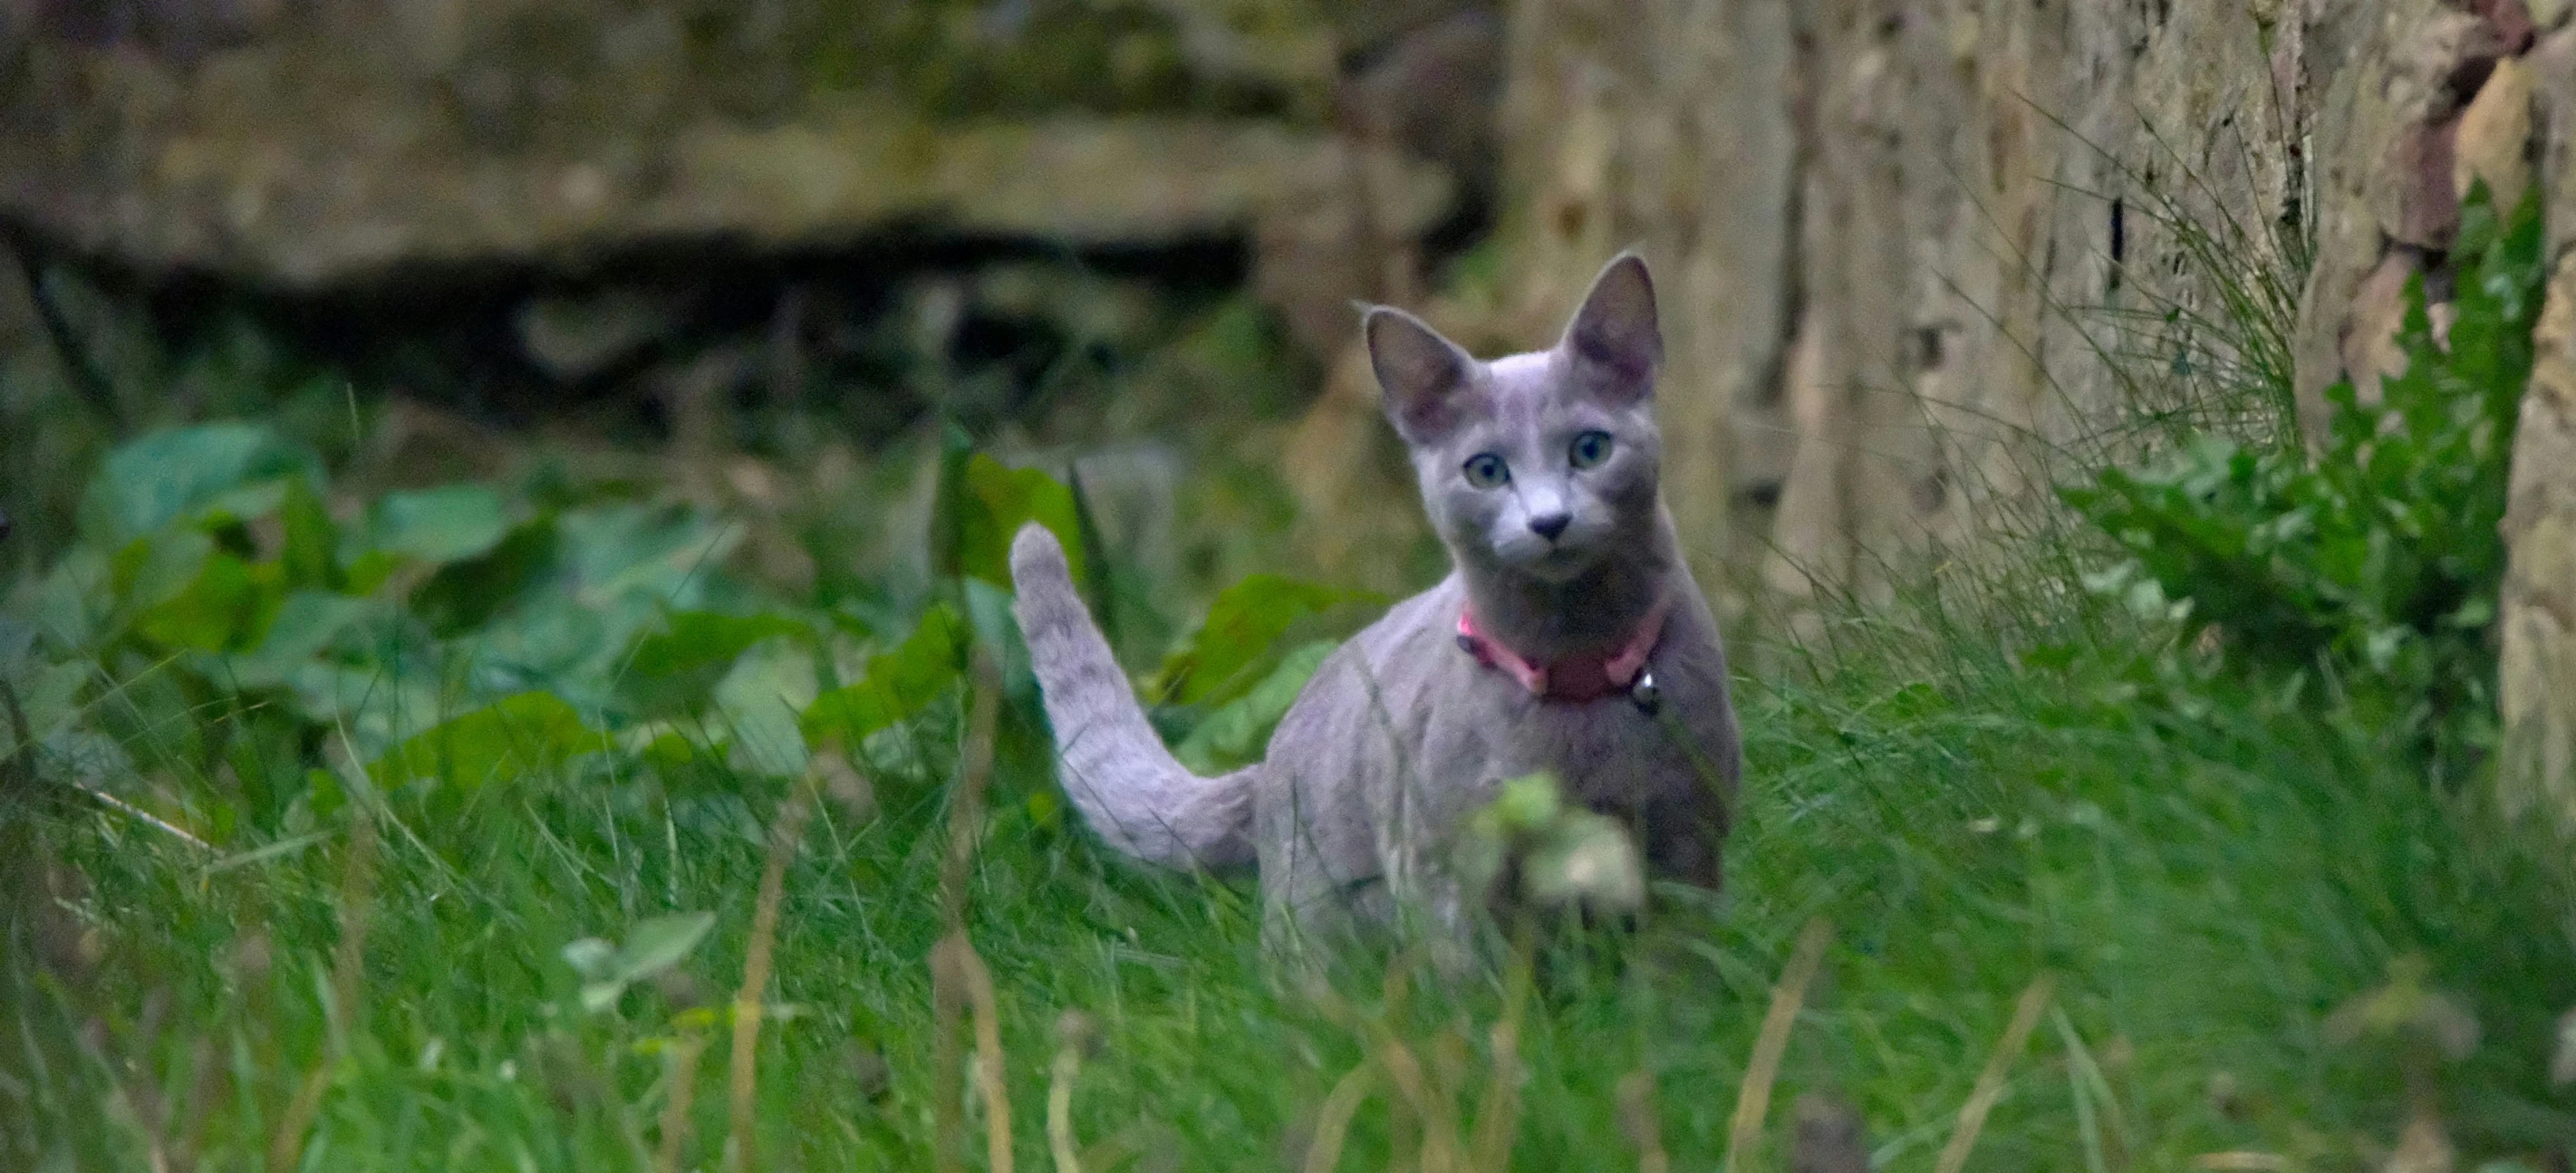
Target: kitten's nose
(1548,525)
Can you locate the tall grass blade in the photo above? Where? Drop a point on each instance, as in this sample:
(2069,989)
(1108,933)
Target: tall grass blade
(786,833)
(1990,1082)
(1753,1099)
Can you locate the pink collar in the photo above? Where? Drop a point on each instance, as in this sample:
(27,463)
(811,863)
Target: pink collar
(1575,678)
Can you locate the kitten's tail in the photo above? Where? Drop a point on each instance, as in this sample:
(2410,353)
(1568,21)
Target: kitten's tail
(1116,770)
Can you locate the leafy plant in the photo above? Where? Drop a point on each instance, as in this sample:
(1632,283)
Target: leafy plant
(651,947)
(457,637)
(459,634)
(2376,559)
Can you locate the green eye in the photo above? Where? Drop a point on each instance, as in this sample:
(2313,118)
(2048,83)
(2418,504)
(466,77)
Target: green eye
(1486,470)
(1589,449)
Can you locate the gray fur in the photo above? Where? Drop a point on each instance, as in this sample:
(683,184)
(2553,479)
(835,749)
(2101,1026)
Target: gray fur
(1401,733)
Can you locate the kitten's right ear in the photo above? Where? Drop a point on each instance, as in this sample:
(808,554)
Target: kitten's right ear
(1423,375)
(1613,339)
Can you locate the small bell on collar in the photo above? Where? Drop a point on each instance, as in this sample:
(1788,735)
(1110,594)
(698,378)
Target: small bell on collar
(1649,698)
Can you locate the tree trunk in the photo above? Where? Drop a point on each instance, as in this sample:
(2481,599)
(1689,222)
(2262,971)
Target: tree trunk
(2538,613)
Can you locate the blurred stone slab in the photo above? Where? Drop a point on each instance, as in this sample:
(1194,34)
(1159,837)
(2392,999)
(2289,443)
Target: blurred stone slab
(313,144)
(306,202)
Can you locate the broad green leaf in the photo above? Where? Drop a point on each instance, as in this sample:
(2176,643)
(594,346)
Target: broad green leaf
(378,706)
(988,612)
(651,947)
(898,684)
(660,943)
(553,642)
(306,622)
(1241,642)
(469,593)
(591,957)
(17,646)
(309,555)
(1237,733)
(226,605)
(50,696)
(523,734)
(598,996)
(673,666)
(74,601)
(153,570)
(759,701)
(177,475)
(669,554)
(668,747)
(437,526)
(689,640)
(991,505)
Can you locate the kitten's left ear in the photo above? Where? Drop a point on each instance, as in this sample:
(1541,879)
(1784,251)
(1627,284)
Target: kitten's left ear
(1613,340)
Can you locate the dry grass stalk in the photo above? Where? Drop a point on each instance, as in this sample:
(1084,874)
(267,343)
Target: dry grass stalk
(960,981)
(286,1146)
(948,1090)
(989,1061)
(1636,1097)
(1117,1150)
(1333,1120)
(348,974)
(1753,1099)
(1423,1120)
(785,835)
(1990,1082)
(676,1104)
(1437,1116)
(948,976)
(1073,1033)
(357,896)
(140,815)
(966,805)
(1498,1116)
(2246,1159)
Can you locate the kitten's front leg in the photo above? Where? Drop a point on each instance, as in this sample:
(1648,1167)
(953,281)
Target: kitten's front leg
(1684,835)
(1682,825)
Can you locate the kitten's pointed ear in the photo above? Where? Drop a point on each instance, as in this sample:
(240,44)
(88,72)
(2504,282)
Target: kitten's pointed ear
(1423,375)
(1614,341)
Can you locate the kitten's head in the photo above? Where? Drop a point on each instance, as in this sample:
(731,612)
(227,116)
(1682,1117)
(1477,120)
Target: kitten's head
(1540,463)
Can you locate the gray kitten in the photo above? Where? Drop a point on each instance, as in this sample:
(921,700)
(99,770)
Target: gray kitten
(1570,638)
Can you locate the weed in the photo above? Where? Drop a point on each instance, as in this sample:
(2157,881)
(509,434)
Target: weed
(2374,563)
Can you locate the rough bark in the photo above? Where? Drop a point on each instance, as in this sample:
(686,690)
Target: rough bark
(2538,611)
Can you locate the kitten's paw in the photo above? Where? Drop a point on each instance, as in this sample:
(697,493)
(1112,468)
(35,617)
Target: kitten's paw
(1035,554)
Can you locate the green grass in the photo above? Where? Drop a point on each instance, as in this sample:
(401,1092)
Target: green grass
(2205,889)
(2001,781)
